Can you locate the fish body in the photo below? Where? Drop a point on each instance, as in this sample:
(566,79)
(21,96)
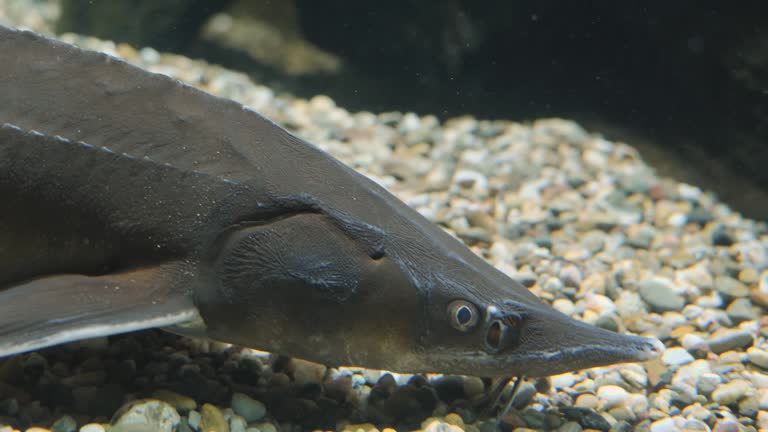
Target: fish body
(134,201)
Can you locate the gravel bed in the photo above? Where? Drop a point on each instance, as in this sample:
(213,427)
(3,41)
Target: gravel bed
(582,221)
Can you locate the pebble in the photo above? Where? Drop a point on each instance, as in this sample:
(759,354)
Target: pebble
(667,424)
(762,420)
(641,236)
(697,275)
(676,356)
(759,298)
(749,406)
(64,424)
(695,425)
(730,288)
(473,386)
(564,380)
(707,383)
(212,419)
(307,372)
(92,427)
(151,414)
(570,426)
(237,424)
(727,426)
(758,357)
(749,276)
(731,392)
(700,216)
(193,419)
(729,340)
(180,402)
(250,409)
(612,396)
(594,420)
(587,401)
(660,295)
(741,310)
(262,427)
(438,426)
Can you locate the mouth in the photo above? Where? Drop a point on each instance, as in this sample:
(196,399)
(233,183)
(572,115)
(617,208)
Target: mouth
(552,361)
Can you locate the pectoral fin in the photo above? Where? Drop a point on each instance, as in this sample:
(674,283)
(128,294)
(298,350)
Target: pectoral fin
(64,308)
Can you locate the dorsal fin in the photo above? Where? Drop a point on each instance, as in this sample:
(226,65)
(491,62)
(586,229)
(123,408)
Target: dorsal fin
(59,89)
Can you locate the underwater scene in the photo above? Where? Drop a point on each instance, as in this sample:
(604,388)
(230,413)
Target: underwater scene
(435,215)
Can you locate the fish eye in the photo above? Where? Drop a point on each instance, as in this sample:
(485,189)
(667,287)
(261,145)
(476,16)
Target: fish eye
(462,314)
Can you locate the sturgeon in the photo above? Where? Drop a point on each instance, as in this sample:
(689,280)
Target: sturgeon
(131,200)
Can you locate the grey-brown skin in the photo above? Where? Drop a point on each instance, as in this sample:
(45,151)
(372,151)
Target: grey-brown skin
(133,182)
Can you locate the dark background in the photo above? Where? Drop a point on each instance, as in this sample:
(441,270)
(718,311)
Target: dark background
(686,82)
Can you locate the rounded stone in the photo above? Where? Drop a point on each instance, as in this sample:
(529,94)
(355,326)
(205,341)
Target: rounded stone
(587,400)
(676,356)
(176,400)
(731,392)
(729,340)
(659,294)
(748,407)
(748,275)
(193,419)
(262,427)
(758,357)
(473,386)
(741,310)
(64,424)
(153,414)
(305,372)
(730,288)
(666,424)
(250,409)
(612,396)
(237,424)
(212,419)
(563,380)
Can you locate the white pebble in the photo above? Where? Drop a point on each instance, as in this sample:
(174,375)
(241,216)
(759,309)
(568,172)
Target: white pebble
(676,356)
(564,380)
(193,419)
(638,403)
(564,305)
(600,304)
(409,123)
(731,392)
(322,103)
(762,419)
(237,424)
(92,427)
(690,373)
(612,396)
(250,409)
(471,180)
(692,342)
(688,192)
(667,424)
